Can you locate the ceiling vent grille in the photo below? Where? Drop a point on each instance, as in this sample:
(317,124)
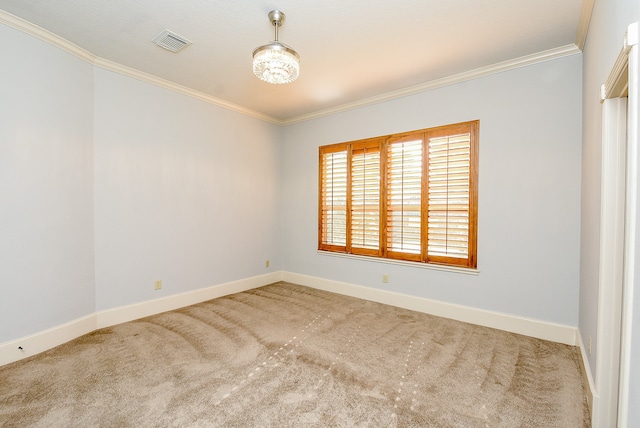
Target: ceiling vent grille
(171,41)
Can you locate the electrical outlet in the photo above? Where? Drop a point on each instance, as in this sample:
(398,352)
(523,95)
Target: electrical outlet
(385,278)
(158,285)
(266,263)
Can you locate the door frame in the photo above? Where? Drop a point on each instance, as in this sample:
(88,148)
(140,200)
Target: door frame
(619,219)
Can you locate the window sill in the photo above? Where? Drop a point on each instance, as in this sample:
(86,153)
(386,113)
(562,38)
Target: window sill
(418,265)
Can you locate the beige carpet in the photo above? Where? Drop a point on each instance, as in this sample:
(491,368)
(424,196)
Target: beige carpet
(290,356)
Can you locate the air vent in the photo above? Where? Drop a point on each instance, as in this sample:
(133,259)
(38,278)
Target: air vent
(171,41)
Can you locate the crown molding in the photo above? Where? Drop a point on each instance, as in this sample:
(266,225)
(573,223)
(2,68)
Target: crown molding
(157,81)
(55,40)
(445,81)
(49,37)
(46,36)
(583,23)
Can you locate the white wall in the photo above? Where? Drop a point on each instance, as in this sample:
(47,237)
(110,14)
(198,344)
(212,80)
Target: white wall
(46,219)
(185,192)
(172,188)
(604,42)
(529,191)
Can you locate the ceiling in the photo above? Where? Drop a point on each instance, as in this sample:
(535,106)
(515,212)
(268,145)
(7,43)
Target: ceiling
(351,50)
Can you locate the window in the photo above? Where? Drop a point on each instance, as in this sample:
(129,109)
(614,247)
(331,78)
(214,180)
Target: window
(407,196)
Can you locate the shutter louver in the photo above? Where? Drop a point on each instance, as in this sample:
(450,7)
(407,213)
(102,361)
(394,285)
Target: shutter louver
(449,196)
(334,198)
(365,199)
(404,196)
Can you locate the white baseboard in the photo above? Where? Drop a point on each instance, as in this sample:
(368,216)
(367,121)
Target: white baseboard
(122,314)
(39,342)
(512,323)
(47,339)
(50,338)
(587,379)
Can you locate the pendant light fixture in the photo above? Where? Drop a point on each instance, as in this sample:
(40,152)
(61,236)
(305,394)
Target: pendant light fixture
(276,63)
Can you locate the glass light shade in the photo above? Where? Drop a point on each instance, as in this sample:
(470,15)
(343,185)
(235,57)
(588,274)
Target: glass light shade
(276,63)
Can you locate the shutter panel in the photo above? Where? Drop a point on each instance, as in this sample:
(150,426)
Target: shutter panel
(404,197)
(333,199)
(449,167)
(365,198)
(411,196)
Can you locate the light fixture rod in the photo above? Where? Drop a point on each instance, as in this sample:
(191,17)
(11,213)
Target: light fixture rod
(277,19)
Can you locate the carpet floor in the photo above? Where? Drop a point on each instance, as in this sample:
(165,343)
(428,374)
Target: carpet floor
(284,355)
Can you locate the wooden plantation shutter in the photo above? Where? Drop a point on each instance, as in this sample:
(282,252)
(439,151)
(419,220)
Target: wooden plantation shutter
(409,196)
(333,198)
(365,198)
(404,197)
(451,212)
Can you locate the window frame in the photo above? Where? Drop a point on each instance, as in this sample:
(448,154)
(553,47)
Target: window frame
(383,143)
